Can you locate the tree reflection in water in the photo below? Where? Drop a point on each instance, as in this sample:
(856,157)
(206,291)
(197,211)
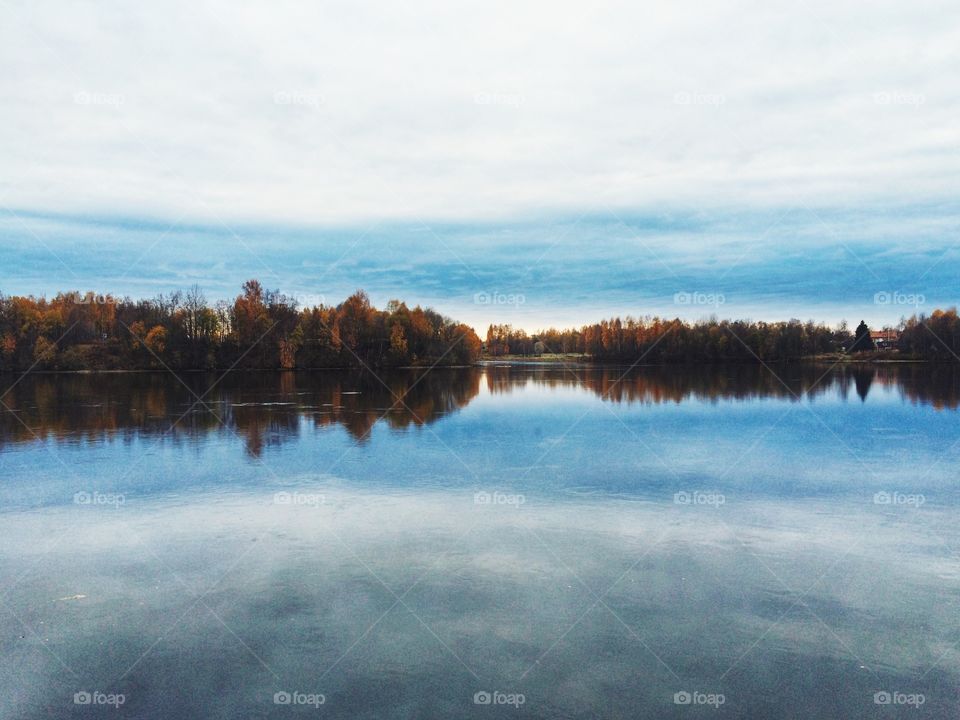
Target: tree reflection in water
(267,408)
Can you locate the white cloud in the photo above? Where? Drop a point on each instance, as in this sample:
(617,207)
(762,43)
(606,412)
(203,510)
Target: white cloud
(346,112)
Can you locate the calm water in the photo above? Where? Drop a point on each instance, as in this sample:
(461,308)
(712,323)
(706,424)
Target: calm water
(578,547)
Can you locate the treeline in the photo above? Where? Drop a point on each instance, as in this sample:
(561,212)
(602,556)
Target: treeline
(657,340)
(664,341)
(936,336)
(260,329)
(265,329)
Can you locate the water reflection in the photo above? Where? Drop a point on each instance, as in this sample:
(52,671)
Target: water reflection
(828,573)
(790,610)
(262,408)
(863,379)
(265,409)
(938,385)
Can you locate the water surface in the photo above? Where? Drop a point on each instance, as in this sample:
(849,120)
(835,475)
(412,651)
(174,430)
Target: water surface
(596,542)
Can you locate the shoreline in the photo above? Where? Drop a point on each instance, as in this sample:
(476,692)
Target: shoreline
(813,359)
(507,361)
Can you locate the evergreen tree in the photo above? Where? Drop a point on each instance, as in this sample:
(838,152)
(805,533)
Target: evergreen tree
(862,340)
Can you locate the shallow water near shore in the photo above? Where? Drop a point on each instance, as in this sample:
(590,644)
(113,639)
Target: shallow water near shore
(536,541)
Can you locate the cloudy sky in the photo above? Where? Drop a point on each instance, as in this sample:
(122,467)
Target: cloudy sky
(525,162)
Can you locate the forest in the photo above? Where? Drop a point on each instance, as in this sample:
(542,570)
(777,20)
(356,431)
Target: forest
(657,340)
(264,329)
(260,329)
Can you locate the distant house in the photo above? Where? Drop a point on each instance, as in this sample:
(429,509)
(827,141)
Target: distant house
(886,338)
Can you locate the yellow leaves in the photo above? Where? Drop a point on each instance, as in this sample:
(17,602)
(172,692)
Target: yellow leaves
(44,351)
(137,331)
(8,345)
(156,339)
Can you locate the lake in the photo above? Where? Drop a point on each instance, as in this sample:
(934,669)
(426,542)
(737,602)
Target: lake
(529,540)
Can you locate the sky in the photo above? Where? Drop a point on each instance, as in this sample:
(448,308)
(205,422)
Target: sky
(524,162)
